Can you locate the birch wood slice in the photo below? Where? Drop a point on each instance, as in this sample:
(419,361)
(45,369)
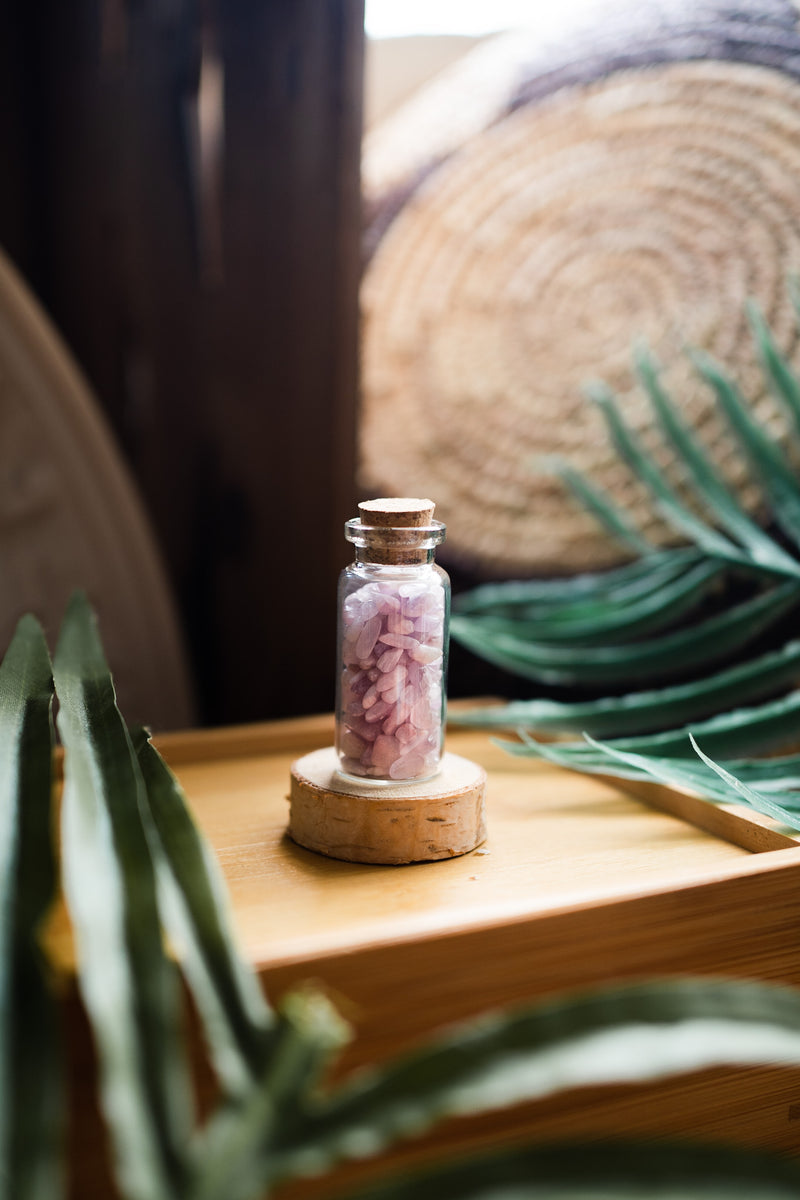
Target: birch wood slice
(392,824)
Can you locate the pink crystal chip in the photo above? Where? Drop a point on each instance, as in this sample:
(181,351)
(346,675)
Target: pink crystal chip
(391,688)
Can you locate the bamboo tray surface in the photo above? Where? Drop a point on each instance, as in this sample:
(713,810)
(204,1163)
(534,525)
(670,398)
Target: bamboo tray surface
(583,883)
(558,841)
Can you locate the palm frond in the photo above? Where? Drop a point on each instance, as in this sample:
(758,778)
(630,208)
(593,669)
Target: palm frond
(777,479)
(653,609)
(666,501)
(194,902)
(786,804)
(693,645)
(722,789)
(723,507)
(779,374)
(690,773)
(760,728)
(598,1171)
(129,985)
(578,593)
(32,1094)
(614,519)
(684,651)
(771,788)
(572,1041)
(640,712)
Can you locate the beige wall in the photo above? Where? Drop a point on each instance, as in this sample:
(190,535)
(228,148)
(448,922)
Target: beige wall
(395,67)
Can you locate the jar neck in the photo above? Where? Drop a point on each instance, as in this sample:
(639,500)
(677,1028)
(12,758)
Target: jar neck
(394,545)
(379,556)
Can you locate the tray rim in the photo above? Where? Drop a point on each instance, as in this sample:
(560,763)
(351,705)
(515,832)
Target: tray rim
(767,850)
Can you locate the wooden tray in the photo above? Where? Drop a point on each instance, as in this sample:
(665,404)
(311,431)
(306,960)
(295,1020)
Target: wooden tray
(579,883)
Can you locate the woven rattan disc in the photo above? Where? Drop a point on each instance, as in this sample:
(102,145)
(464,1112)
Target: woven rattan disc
(70,517)
(647,205)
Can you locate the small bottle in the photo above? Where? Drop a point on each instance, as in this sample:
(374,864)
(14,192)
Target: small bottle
(393,627)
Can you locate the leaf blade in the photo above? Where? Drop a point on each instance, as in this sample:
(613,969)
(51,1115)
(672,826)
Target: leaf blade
(640,712)
(616,620)
(129,987)
(32,1110)
(624,1034)
(672,772)
(241,1155)
(666,656)
(597,1171)
(777,479)
(675,512)
(615,585)
(239,1023)
(784,383)
(704,477)
(610,516)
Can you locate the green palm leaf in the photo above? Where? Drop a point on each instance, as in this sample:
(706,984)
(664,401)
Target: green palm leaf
(753,797)
(726,511)
(682,519)
(31,1084)
(571,1042)
(661,606)
(774,774)
(662,635)
(691,774)
(640,712)
(600,1171)
(124,815)
(771,788)
(129,986)
(244,1143)
(778,480)
(780,375)
(683,651)
(581,594)
(239,1024)
(614,519)
(761,728)
(672,772)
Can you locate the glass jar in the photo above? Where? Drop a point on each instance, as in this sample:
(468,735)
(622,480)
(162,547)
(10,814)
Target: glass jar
(392,643)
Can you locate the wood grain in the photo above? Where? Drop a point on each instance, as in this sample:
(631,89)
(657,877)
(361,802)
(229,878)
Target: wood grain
(388,823)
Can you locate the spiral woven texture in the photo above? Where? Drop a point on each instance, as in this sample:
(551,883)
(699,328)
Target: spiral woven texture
(648,204)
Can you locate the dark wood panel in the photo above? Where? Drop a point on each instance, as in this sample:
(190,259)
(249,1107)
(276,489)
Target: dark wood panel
(290,237)
(18,116)
(208,287)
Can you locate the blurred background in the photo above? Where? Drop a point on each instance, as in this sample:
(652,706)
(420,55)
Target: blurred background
(180,191)
(302,253)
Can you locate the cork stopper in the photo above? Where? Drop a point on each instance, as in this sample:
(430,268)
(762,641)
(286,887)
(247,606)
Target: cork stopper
(397,512)
(396,529)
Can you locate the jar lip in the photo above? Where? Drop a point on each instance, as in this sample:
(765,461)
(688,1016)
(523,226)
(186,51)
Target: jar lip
(417,536)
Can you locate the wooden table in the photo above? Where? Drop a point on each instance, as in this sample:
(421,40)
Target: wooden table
(579,883)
